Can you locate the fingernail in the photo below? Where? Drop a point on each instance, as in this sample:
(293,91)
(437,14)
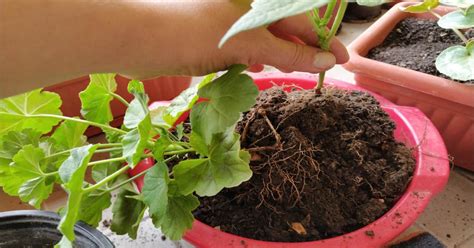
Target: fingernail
(324,60)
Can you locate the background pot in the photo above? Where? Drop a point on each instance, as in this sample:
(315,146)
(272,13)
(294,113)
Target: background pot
(429,178)
(449,105)
(158,89)
(34,228)
(359,13)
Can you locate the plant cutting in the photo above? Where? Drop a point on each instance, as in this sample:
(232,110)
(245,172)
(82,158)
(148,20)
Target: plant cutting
(393,59)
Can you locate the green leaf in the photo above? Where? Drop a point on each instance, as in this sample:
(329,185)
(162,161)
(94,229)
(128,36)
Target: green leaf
(458,3)
(92,206)
(180,131)
(155,189)
(22,112)
(135,141)
(97,96)
(29,180)
(264,12)
(183,102)
(458,19)
(14,141)
(422,7)
(161,145)
(136,112)
(70,134)
(228,96)
(136,87)
(72,173)
(178,217)
(35,191)
(64,243)
(199,144)
(127,214)
(104,170)
(226,167)
(10,144)
(372,3)
(457,62)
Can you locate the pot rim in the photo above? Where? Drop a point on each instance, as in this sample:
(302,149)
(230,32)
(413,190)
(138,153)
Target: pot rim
(48,218)
(429,178)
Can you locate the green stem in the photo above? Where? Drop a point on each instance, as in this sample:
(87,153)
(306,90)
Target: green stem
(98,146)
(120,98)
(337,21)
(320,81)
(324,42)
(50,173)
(179,152)
(90,123)
(106,180)
(328,13)
(133,178)
(108,150)
(110,160)
(456,31)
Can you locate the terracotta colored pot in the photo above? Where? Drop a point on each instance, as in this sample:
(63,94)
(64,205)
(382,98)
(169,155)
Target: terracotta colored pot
(163,88)
(429,178)
(449,105)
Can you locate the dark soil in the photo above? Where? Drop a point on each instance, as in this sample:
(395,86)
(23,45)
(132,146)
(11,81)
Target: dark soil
(323,165)
(415,44)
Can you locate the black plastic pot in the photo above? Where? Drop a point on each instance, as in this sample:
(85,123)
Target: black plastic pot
(34,229)
(359,13)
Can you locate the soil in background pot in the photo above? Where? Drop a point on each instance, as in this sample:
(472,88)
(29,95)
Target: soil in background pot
(415,44)
(323,165)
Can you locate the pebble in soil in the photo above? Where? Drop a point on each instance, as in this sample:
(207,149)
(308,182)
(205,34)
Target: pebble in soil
(415,44)
(324,165)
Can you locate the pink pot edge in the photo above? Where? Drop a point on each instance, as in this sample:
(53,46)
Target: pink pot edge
(427,181)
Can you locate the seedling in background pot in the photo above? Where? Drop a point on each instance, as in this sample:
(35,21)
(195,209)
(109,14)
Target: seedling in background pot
(456,62)
(259,16)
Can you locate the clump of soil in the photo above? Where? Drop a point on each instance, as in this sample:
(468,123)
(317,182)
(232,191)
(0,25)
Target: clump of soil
(415,44)
(324,165)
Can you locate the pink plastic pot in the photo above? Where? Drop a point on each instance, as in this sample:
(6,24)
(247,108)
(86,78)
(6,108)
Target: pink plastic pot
(430,176)
(449,105)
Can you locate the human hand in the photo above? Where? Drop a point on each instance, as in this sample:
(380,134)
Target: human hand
(187,36)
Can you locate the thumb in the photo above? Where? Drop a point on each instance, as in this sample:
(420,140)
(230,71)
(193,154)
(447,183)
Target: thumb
(291,56)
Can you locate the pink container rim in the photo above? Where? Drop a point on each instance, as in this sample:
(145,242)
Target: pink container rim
(429,178)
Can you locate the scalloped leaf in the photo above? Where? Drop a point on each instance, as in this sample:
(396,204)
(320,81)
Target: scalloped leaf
(457,62)
(458,19)
(97,96)
(24,110)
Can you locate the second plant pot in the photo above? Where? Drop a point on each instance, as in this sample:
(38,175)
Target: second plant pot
(429,177)
(158,89)
(449,104)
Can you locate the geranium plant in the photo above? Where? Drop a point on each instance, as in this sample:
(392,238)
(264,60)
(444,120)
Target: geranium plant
(456,62)
(32,161)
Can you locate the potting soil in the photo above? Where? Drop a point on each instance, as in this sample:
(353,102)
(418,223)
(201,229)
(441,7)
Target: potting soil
(323,165)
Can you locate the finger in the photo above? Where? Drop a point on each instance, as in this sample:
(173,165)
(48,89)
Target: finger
(291,56)
(300,27)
